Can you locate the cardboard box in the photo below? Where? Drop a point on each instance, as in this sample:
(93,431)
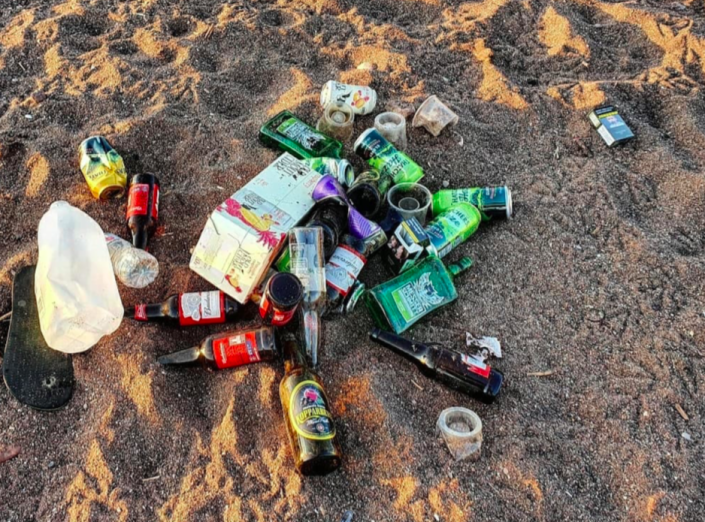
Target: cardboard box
(244,234)
(406,246)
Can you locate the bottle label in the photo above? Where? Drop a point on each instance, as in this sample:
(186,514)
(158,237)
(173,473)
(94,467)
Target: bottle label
(141,312)
(475,365)
(202,308)
(155,203)
(450,229)
(279,317)
(301,133)
(343,268)
(236,350)
(309,412)
(416,298)
(138,201)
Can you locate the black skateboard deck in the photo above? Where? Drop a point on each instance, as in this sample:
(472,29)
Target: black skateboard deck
(34,373)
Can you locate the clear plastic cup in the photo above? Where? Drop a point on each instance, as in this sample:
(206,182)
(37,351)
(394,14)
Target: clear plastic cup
(434,116)
(337,121)
(462,431)
(410,200)
(393,127)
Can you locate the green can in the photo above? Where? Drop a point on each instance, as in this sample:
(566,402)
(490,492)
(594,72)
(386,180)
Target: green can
(492,202)
(383,157)
(452,227)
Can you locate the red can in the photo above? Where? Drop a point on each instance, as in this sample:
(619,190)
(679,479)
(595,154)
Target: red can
(281,299)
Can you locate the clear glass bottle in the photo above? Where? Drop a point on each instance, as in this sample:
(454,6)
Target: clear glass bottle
(308,264)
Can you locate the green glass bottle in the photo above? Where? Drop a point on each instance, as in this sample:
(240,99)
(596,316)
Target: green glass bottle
(288,133)
(402,301)
(452,228)
(492,202)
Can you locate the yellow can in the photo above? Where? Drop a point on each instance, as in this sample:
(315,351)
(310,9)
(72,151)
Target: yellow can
(102,167)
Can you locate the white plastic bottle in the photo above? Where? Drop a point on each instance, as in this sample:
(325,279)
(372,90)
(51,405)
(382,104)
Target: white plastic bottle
(133,267)
(75,286)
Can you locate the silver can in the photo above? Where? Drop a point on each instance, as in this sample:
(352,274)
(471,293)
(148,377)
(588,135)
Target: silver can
(360,98)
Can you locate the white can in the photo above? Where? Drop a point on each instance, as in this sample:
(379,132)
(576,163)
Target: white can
(361,99)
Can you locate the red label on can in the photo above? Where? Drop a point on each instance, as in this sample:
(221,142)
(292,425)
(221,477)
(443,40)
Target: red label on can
(236,350)
(279,317)
(138,200)
(202,308)
(141,312)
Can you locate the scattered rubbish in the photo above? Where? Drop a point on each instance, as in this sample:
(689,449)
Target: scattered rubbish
(687,436)
(465,373)
(488,346)
(34,374)
(383,157)
(452,228)
(342,271)
(366,194)
(540,374)
(77,296)
(402,301)
(406,246)
(682,412)
(189,309)
(142,208)
(151,479)
(408,200)
(307,413)
(288,133)
(6,317)
(245,233)
(331,216)
(461,429)
(492,202)
(307,263)
(393,127)
(434,116)
(102,167)
(9,453)
(340,169)
(228,349)
(358,225)
(347,516)
(281,299)
(337,121)
(610,125)
(134,267)
(362,100)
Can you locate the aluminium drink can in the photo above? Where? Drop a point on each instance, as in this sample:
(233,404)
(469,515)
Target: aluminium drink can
(383,157)
(492,202)
(361,99)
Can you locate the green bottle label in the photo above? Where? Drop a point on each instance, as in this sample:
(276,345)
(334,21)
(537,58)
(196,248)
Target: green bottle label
(453,227)
(301,133)
(309,412)
(416,298)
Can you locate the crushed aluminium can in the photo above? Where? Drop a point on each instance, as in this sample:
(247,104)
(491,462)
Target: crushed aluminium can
(610,125)
(102,167)
(340,169)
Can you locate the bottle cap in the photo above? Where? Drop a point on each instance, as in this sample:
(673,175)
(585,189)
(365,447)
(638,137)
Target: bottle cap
(285,291)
